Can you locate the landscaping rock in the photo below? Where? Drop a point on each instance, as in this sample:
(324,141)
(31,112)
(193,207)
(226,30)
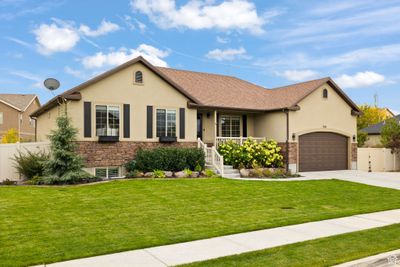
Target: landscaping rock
(194,175)
(148,174)
(244,172)
(168,174)
(180,174)
(139,175)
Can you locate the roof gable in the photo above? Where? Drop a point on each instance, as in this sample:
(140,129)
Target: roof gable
(376,128)
(19,102)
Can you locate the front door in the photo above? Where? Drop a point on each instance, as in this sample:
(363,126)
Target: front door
(200,126)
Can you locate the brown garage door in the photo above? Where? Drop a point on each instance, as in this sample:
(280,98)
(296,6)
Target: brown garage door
(321,151)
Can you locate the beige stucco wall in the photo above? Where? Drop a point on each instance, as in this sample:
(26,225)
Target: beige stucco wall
(316,114)
(378,159)
(119,89)
(373,141)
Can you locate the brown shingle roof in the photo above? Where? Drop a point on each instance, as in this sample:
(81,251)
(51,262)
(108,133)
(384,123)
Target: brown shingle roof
(19,101)
(217,91)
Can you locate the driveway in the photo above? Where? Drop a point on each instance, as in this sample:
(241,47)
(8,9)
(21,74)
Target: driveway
(383,179)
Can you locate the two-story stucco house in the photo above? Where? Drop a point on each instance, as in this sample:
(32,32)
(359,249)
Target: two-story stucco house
(14,113)
(140,105)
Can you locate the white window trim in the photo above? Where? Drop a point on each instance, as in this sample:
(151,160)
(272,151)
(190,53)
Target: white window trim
(107,175)
(230,130)
(1,118)
(166,121)
(107,123)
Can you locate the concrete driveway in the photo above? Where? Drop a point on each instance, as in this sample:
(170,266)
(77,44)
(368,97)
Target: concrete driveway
(383,179)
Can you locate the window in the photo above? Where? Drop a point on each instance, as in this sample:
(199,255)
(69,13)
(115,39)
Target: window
(230,126)
(138,77)
(107,120)
(325,93)
(32,122)
(107,172)
(1,117)
(166,122)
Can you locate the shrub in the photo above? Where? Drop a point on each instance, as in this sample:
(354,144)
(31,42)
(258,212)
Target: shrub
(8,182)
(198,168)
(210,173)
(73,177)
(252,153)
(169,159)
(31,164)
(188,173)
(10,137)
(130,166)
(158,174)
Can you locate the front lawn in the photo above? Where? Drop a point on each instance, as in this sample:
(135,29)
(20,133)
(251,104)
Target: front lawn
(47,224)
(320,252)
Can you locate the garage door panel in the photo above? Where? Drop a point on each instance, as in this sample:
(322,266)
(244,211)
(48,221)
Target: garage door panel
(322,151)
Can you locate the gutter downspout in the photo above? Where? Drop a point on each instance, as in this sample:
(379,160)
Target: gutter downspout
(287,138)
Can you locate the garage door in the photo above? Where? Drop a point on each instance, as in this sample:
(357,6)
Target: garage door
(321,151)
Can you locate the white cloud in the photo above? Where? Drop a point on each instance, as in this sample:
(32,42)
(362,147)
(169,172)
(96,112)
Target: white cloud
(104,28)
(227,54)
(360,79)
(298,75)
(62,36)
(222,40)
(17,41)
(75,73)
(370,55)
(38,81)
(228,15)
(54,38)
(114,58)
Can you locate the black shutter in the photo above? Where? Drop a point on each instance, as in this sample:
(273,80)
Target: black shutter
(244,122)
(127,119)
(87,119)
(149,121)
(217,124)
(182,123)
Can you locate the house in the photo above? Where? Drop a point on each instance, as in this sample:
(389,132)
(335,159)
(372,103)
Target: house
(138,105)
(374,133)
(14,113)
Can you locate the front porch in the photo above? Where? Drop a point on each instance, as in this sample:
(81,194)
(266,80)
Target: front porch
(217,127)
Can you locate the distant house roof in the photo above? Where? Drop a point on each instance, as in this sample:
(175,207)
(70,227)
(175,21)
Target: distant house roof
(376,128)
(218,91)
(19,102)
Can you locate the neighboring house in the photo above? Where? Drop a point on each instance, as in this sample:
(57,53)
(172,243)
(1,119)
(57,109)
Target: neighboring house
(374,133)
(14,113)
(139,105)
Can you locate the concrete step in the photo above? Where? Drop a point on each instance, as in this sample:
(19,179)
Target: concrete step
(231,171)
(228,167)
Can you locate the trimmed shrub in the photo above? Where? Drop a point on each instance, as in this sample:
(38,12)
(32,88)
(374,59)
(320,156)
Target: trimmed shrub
(72,177)
(169,159)
(31,164)
(252,153)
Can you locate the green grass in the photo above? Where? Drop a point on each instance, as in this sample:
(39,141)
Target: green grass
(47,224)
(320,252)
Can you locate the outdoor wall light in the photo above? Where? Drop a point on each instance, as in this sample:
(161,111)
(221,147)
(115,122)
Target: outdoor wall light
(293,136)
(354,137)
(208,114)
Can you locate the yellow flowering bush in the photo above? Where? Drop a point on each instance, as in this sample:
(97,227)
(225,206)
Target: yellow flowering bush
(252,153)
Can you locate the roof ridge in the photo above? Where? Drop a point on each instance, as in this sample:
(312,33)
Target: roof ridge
(294,84)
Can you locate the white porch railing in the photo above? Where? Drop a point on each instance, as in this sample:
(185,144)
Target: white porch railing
(221,140)
(212,156)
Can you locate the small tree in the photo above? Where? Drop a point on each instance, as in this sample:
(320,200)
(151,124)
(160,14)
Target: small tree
(362,137)
(63,156)
(390,135)
(10,137)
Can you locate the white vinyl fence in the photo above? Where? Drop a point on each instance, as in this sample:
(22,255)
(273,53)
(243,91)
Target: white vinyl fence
(377,159)
(7,153)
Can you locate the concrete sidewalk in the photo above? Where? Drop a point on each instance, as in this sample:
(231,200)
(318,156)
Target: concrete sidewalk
(391,258)
(211,248)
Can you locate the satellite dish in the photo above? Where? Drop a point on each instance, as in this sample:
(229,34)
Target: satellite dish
(51,84)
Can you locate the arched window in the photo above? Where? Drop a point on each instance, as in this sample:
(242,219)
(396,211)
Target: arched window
(138,77)
(325,93)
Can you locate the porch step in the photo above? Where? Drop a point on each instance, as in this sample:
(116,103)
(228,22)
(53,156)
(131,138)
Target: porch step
(232,175)
(229,171)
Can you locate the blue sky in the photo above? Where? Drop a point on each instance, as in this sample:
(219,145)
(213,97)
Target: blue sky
(271,43)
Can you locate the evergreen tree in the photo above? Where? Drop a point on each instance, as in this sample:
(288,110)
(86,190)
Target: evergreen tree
(63,156)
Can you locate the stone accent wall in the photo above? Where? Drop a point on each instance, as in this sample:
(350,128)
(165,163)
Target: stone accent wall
(354,152)
(292,152)
(117,154)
